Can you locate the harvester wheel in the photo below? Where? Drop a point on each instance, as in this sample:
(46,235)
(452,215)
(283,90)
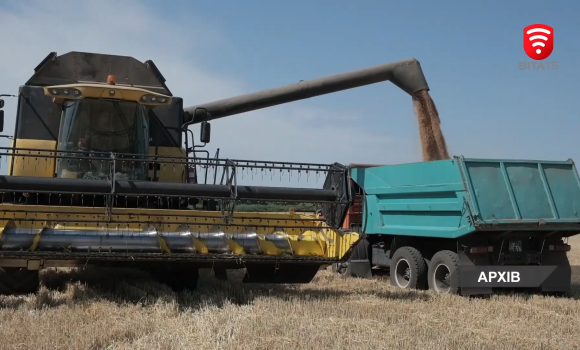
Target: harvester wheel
(177,279)
(408,269)
(16,280)
(444,272)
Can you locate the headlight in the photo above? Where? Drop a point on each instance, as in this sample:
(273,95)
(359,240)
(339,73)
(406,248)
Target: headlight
(73,93)
(154,99)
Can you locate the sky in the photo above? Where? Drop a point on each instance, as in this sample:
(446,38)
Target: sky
(469,52)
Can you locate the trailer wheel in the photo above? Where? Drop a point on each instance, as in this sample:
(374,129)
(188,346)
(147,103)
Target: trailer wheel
(408,269)
(16,280)
(444,272)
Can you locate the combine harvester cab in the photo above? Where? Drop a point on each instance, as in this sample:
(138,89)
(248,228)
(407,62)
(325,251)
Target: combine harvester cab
(469,225)
(104,171)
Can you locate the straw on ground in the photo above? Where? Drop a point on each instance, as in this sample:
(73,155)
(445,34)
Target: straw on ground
(124,309)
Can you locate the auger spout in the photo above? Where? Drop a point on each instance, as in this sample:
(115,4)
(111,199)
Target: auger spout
(406,74)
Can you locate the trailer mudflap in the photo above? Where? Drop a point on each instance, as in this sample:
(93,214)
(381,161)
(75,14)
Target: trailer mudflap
(359,264)
(464,260)
(559,280)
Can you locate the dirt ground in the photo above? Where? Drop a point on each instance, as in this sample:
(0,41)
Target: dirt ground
(123,309)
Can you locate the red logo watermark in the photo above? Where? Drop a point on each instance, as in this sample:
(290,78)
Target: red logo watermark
(538,41)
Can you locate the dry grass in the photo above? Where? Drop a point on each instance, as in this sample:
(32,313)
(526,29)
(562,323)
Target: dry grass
(115,309)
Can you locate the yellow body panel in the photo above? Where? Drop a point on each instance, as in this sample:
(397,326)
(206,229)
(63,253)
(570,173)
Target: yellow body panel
(36,163)
(168,172)
(319,242)
(40,163)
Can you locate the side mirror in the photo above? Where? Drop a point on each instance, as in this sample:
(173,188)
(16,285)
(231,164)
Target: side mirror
(1,120)
(205,132)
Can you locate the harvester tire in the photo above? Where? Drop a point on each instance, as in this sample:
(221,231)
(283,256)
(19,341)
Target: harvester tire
(16,280)
(444,272)
(408,269)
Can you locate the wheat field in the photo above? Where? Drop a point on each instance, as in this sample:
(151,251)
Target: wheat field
(124,309)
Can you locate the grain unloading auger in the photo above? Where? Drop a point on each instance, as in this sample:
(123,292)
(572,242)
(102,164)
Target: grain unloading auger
(98,174)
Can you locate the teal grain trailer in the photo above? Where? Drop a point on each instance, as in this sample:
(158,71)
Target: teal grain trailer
(468,225)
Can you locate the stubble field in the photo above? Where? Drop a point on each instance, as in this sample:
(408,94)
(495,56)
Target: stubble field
(123,309)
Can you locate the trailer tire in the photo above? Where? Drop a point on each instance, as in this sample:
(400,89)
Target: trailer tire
(16,280)
(444,272)
(408,269)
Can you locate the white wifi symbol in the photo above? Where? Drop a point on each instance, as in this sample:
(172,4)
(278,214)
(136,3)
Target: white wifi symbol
(535,37)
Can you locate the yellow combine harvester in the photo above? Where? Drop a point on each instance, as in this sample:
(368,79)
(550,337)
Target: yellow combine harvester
(104,170)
